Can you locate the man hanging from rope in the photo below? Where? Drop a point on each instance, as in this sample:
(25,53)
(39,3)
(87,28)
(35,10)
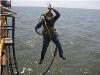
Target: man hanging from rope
(49,32)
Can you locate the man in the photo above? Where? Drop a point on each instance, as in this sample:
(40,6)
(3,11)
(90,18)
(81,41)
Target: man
(49,32)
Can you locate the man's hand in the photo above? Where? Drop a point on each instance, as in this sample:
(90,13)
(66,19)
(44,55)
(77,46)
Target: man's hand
(44,15)
(49,8)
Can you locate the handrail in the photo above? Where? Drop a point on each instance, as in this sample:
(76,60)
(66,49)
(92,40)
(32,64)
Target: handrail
(8,15)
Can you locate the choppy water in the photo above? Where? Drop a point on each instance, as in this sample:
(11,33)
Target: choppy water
(79,31)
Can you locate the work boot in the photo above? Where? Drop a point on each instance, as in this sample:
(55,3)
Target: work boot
(40,62)
(63,57)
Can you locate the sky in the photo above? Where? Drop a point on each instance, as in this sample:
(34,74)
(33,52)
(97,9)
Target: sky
(87,4)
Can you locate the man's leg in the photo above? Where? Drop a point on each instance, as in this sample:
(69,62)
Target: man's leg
(57,43)
(46,41)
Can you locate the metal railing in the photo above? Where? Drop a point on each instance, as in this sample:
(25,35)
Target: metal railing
(8,31)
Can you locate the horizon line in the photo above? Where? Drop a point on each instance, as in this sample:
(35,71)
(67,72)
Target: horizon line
(56,7)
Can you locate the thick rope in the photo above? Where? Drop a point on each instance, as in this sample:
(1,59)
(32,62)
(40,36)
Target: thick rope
(55,52)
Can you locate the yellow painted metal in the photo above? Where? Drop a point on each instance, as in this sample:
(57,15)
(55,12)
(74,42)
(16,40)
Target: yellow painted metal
(3,34)
(4,38)
(1,44)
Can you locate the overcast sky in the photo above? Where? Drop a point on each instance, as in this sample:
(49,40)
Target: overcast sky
(88,4)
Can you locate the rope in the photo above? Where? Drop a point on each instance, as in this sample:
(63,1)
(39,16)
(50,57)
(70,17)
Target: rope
(55,52)
(23,22)
(10,62)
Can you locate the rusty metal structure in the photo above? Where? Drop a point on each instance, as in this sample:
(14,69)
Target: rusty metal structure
(8,62)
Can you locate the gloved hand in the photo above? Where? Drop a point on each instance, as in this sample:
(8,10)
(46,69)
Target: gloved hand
(37,31)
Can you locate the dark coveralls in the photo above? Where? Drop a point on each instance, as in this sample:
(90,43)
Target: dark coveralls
(46,37)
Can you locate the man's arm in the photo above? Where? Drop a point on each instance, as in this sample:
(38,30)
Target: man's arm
(57,14)
(39,25)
